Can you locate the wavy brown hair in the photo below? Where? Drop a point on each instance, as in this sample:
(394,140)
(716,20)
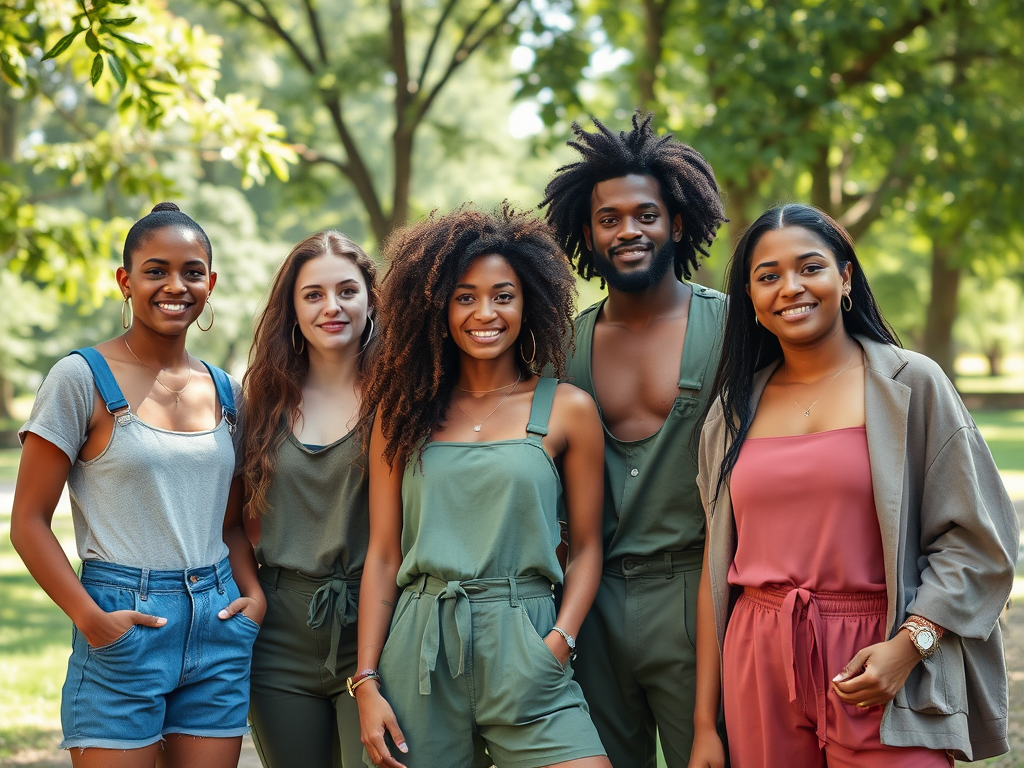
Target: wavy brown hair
(417,362)
(272,386)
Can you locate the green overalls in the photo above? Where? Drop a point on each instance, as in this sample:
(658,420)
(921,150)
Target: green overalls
(636,660)
(311,552)
(465,666)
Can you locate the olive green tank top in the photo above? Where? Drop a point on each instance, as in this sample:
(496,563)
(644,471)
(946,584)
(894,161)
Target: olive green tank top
(317,519)
(651,501)
(483,510)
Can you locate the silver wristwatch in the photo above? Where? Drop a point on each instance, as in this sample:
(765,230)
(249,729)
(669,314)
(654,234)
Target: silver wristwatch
(569,640)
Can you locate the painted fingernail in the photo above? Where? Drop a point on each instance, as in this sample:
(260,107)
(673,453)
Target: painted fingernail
(223,614)
(161,622)
(403,747)
(838,678)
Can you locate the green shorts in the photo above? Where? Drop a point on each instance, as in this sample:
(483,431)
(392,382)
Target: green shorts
(485,677)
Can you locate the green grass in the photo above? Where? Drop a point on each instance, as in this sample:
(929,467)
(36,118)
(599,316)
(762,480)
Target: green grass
(1004,433)
(9,458)
(35,642)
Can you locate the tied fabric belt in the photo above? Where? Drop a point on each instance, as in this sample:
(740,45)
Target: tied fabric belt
(790,603)
(451,614)
(334,598)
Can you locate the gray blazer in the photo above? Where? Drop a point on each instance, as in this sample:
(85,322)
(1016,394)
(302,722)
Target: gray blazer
(949,535)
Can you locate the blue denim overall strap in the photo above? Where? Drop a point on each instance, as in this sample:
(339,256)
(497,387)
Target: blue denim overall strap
(112,396)
(225,394)
(451,611)
(335,601)
(540,411)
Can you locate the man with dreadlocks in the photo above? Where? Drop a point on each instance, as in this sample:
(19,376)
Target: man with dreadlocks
(637,210)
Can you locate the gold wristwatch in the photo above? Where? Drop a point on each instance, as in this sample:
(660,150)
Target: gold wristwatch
(924,634)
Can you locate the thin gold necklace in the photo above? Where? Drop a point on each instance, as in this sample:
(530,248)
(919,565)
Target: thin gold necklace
(790,389)
(478,427)
(487,391)
(177,393)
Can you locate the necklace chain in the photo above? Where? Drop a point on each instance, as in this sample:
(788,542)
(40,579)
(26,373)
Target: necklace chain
(487,391)
(789,388)
(177,393)
(478,427)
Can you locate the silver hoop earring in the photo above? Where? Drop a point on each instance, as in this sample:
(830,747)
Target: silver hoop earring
(847,302)
(213,316)
(756,321)
(126,324)
(298,348)
(369,336)
(534,355)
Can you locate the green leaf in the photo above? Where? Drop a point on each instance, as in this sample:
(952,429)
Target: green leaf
(9,71)
(62,44)
(92,41)
(130,41)
(97,68)
(116,69)
(112,22)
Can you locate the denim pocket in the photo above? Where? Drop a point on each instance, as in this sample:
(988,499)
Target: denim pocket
(122,640)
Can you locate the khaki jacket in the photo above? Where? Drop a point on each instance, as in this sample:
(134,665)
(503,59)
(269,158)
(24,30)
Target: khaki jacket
(949,535)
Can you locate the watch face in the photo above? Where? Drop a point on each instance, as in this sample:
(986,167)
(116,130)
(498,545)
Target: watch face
(925,639)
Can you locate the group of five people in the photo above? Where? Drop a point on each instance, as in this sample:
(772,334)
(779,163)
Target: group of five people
(776,535)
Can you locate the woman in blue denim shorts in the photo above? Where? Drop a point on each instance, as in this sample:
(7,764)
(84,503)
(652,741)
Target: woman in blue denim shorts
(145,436)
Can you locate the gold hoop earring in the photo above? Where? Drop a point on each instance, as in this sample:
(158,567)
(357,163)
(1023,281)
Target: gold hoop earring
(126,324)
(213,316)
(534,355)
(298,348)
(369,336)
(847,302)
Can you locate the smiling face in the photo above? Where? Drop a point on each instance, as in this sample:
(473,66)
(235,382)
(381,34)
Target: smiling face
(631,232)
(170,280)
(331,302)
(796,286)
(485,311)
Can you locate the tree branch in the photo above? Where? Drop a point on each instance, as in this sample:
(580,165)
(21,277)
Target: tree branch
(861,69)
(865,211)
(270,22)
(463,52)
(449,6)
(314,26)
(355,168)
(399,61)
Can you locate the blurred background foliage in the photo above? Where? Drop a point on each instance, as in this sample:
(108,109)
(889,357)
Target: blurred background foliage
(269,119)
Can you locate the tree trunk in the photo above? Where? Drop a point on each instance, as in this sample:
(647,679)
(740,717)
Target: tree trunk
(942,309)
(6,398)
(654,33)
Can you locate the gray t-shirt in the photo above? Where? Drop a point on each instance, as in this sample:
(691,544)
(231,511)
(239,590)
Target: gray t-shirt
(153,498)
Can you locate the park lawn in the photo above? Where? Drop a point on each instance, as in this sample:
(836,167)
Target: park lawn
(9,458)
(35,642)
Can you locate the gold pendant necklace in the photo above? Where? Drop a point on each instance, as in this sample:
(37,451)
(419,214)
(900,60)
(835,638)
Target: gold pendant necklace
(790,389)
(478,427)
(176,392)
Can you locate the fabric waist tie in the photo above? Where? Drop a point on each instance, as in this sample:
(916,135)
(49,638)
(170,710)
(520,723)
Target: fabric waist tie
(451,614)
(334,598)
(788,603)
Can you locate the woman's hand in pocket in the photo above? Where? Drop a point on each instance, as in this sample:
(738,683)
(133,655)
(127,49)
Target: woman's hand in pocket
(254,608)
(107,628)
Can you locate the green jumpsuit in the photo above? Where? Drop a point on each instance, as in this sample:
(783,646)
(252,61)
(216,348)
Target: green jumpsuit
(465,666)
(636,662)
(311,551)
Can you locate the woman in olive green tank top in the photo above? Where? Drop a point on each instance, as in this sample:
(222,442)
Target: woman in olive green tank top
(306,484)
(471,456)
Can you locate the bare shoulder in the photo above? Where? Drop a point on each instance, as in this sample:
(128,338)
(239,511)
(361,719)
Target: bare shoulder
(572,402)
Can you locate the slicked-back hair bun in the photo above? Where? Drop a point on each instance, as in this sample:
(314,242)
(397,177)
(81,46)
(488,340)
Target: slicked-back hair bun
(165,214)
(685,178)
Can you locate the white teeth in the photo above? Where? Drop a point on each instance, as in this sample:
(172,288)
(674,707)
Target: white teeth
(484,334)
(172,307)
(796,310)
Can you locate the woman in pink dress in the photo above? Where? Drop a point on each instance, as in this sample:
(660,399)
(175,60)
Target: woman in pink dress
(860,543)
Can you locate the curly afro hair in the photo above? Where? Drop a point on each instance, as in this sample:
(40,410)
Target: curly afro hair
(686,180)
(417,363)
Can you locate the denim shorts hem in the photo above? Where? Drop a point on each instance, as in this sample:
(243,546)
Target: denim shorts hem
(90,742)
(208,733)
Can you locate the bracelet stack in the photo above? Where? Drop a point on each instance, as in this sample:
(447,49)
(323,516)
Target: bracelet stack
(358,679)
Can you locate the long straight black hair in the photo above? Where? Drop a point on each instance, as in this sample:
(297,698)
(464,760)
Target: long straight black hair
(748,346)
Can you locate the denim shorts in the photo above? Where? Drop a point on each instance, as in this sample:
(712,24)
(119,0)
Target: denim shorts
(190,676)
